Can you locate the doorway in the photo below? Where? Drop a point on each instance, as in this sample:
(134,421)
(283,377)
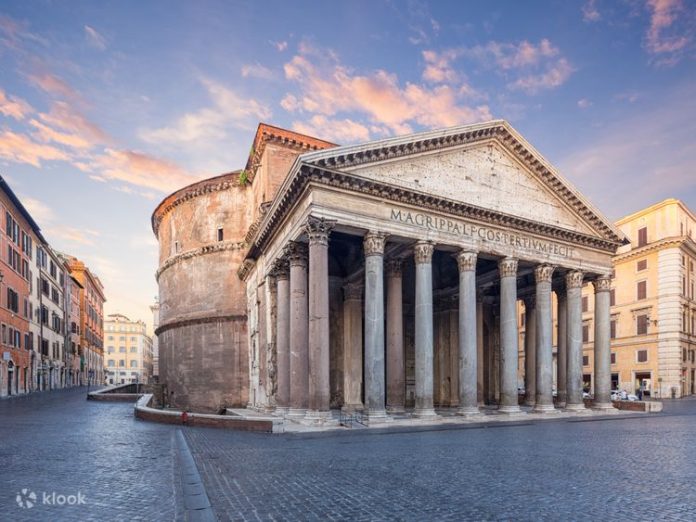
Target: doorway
(643,379)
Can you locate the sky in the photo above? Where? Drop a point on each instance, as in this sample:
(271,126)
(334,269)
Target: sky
(106,107)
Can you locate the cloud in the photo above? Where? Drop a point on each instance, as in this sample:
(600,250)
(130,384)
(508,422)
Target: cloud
(64,116)
(257,71)
(341,131)
(590,12)
(280,46)
(555,76)
(228,110)
(663,14)
(20,149)
(14,107)
(53,85)
(140,169)
(438,68)
(95,39)
(584,103)
(41,212)
(328,88)
(71,234)
(47,134)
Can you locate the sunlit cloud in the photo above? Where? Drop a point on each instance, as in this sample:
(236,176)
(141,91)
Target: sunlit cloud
(663,14)
(590,12)
(584,103)
(21,149)
(341,131)
(53,85)
(39,210)
(94,38)
(257,71)
(47,134)
(72,234)
(280,46)
(13,106)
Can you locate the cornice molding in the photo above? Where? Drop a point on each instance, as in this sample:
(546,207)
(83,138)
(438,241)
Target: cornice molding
(211,248)
(178,323)
(669,242)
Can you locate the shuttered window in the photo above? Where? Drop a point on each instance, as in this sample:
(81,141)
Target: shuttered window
(641,290)
(642,236)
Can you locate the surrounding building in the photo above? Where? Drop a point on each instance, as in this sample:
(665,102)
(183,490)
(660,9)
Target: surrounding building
(461,221)
(72,326)
(91,324)
(50,284)
(128,356)
(155,342)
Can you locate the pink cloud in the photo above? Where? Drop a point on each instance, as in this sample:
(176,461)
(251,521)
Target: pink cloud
(438,68)
(663,15)
(14,107)
(63,116)
(328,88)
(257,71)
(47,134)
(590,12)
(20,149)
(341,131)
(53,85)
(556,75)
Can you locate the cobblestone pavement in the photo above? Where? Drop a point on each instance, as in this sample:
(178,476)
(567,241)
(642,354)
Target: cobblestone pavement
(640,468)
(59,442)
(585,469)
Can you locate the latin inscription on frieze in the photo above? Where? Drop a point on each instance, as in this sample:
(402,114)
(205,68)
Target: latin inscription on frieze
(484,234)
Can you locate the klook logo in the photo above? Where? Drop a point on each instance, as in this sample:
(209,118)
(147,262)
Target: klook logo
(27,499)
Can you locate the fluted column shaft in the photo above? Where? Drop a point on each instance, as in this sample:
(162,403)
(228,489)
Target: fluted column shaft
(508,336)
(602,344)
(468,357)
(574,340)
(299,333)
(423,254)
(373,245)
(318,343)
(530,350)
(282,275)
(544,335)
(396,366)
(562,344)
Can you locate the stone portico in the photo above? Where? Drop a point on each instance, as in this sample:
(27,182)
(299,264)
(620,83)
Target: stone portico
(390,274)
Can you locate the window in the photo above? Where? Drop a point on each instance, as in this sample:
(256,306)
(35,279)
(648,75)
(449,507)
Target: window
(612,297)
(134,364)
(641,290)
(110,349)
(585,304)
(122,363)
(613,357)
(220,234)
(122,349)
(585,360)
(585,333)
(12,300)
(683,354)
(642,265)
(642,356)
(642,324)
(612,329)
(112,363)
(642,236)
(134,349)
(134,339)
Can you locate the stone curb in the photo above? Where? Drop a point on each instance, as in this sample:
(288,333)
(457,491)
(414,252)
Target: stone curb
(196,502)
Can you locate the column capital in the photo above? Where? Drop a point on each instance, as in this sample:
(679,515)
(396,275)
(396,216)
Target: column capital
(466,261)
(423,252)
(574,279)
(318,230)
(352,291)
(543,273)
(602,284)
(296,253)
(373,243)
(394,267)
(507,267)
(280,268)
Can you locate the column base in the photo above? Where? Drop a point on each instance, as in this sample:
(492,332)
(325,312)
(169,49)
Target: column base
(545,409)
(317,417)
(575,407)
(375,417)
(604,406)
(351,408)
(281,410)
(396,409)
(510,409)
(469,411)
(425,413)
(530,403)
(296,413)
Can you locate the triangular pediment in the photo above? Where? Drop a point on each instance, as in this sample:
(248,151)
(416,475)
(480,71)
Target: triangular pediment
(488,166)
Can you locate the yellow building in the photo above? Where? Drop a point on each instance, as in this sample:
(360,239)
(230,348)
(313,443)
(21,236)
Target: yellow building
(128,351)
(653,310)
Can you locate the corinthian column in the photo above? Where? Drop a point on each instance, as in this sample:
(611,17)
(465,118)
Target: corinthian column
(373,245)
(562,343)
(468,360)
(544,355)
(352,346)
(396,367)
(319,392)
(530,331)
(508,336)
(574,343)
(281,271)
(423,254)
(299,358)
(602,344)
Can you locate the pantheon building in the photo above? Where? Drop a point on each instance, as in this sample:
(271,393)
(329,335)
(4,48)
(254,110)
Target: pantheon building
(382,277)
